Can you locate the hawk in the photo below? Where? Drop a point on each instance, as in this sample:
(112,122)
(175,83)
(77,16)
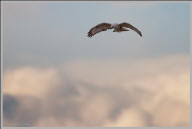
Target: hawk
(117,28)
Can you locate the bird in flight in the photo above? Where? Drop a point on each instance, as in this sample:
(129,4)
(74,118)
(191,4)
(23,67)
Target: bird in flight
(117,28)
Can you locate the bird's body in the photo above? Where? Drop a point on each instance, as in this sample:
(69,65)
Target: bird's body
(114,25)
(117,28)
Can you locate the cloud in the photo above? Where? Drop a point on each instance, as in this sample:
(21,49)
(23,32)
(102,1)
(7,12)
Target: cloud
(131,117)
(148,92)
(21,110)
(29,81)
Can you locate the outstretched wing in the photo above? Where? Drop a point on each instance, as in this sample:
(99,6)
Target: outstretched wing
(131,27)
(98,28)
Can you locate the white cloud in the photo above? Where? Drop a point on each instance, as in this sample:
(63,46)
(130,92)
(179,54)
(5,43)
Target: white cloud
(150,92)
(131,117)
(29,81)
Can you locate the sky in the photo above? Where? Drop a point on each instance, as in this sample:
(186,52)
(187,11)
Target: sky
(54,75)
(53,33)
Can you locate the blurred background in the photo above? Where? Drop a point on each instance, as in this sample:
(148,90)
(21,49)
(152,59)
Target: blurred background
(54,75)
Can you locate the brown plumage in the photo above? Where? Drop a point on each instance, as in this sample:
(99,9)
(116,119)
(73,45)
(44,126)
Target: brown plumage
(98,28)
(131,27)
(117,28)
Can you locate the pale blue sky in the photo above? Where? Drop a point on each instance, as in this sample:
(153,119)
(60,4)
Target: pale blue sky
(46,34)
